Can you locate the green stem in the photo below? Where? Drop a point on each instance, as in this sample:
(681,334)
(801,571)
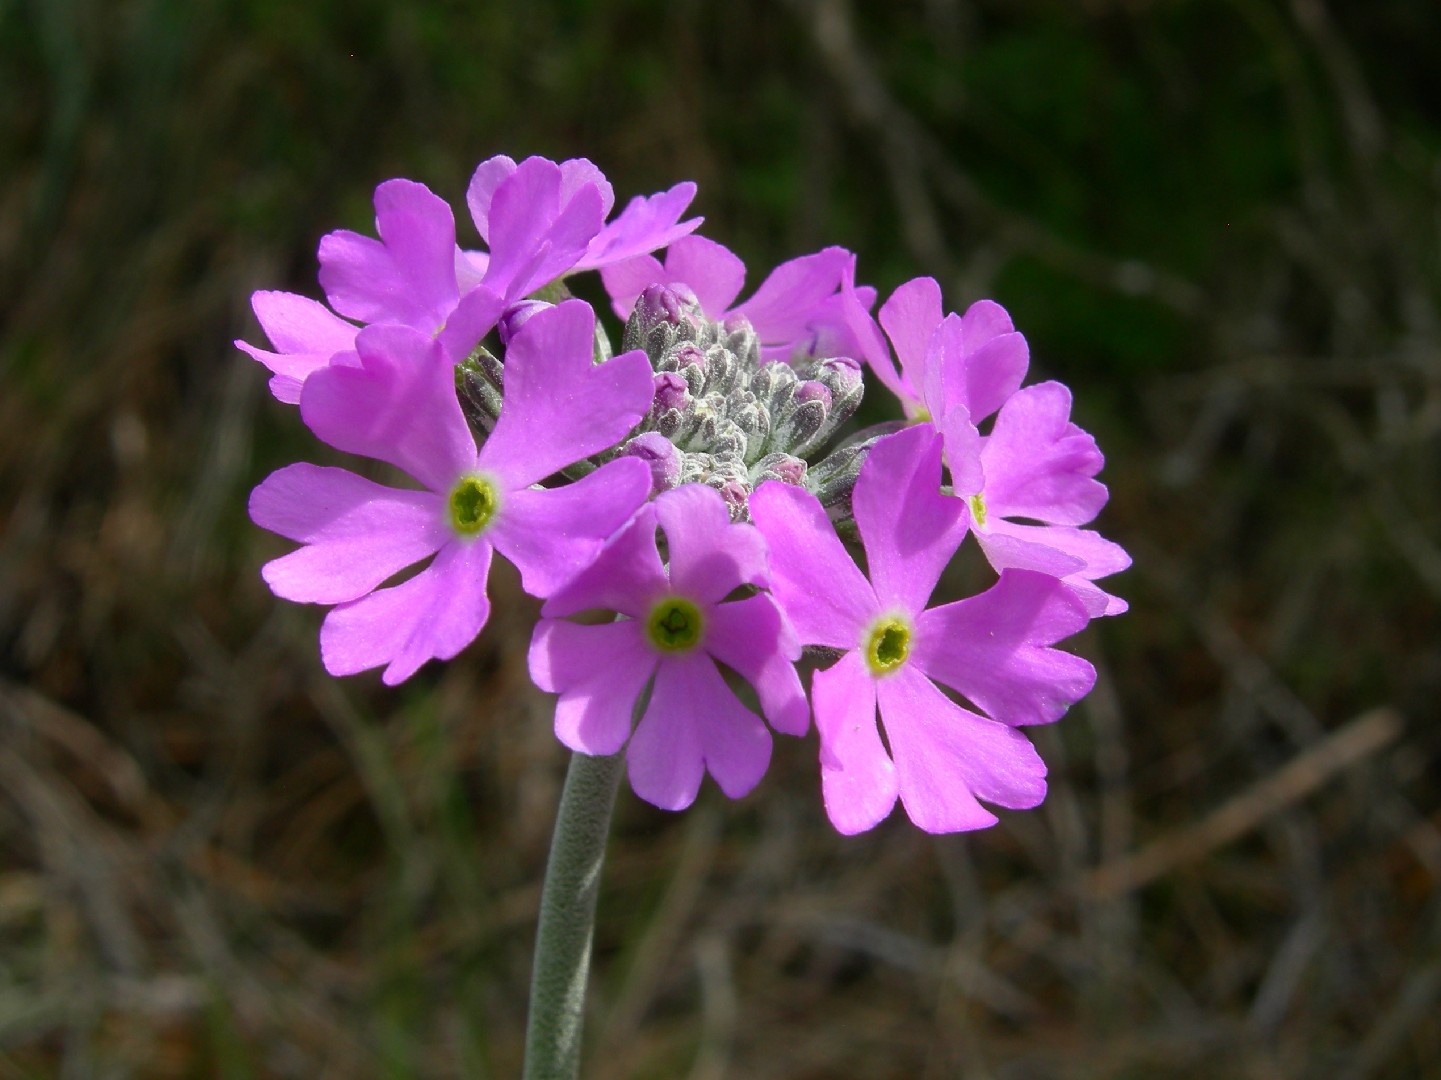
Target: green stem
(567,917)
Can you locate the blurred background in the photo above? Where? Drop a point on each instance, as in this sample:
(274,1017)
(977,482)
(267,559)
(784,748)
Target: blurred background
(1217,220)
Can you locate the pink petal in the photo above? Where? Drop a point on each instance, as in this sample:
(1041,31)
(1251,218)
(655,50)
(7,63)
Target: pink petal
(558,405)
(298,324)
(978,374)
(714,273)
(306,334)
(963,445)
(488,176)
(646,224)
(694,724)
(599,672)
(552,534)
(946,757)
(431,616)
(625,576)
(1040,465)
(858,778)
(910,317)
(356,533)
(813,578)
(288,370)
(1076,556)
(751,637)
(909,529)
(533,236)
(709,557)
(994,358)
(577,173)
(470,268)
(408,276)
(782,307)
(995,648)
(1101,557)
(1007,548)
(984,320)
(830,333)
(397,404)
(1098,602)
(873,348)
(625,281)
(474,316)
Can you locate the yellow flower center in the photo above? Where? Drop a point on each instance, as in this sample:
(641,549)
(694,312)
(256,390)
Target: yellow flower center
(473,502)
(675,625)
(887,645)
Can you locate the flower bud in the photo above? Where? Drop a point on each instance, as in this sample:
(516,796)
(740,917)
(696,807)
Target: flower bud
(786,468)
(811,390)
(671,393)
(479,380)
(661,455)
(662,314)
(516,316)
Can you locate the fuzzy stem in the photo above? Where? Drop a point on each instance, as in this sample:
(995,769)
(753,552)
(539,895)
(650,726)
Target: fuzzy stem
(567,917)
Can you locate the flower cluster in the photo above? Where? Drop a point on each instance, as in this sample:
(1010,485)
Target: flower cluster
(679,507)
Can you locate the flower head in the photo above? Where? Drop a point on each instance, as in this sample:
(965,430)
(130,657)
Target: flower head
(676,623)
(995,649)
(393,399)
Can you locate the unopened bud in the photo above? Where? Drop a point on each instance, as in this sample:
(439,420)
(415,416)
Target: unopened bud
(814,391)
(661,455)
(671,392)
(786,468)
(479,381)
(516,316)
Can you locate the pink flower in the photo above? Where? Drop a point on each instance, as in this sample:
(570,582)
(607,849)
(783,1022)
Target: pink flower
(995,649)
(675,623)
(1040,467)
(393,399)
(955,370)
(564,208)
(541,221)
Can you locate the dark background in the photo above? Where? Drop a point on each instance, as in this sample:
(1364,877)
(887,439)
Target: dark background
(1218,221)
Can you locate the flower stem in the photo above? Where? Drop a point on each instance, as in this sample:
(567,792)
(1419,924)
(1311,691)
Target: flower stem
(567,917)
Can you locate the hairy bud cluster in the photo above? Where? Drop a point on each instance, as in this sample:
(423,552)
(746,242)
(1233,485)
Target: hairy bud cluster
(721,415)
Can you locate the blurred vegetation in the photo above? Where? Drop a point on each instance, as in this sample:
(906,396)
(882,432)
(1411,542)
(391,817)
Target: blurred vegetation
(1216,219)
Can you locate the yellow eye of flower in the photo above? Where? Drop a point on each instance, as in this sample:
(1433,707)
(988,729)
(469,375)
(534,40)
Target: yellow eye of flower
(887,645)
(473,503)
(675,625)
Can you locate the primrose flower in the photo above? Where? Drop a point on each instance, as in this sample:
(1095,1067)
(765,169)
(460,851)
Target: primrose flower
(797,308)
(995,649)
(541,221)
(675,623)
(394,399)
(1039,466)
(513,205)
(955,370)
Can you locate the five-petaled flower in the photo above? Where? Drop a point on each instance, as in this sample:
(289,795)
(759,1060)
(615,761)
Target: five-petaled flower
(541,220)
(394,400)
(995,649)
(675,622)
